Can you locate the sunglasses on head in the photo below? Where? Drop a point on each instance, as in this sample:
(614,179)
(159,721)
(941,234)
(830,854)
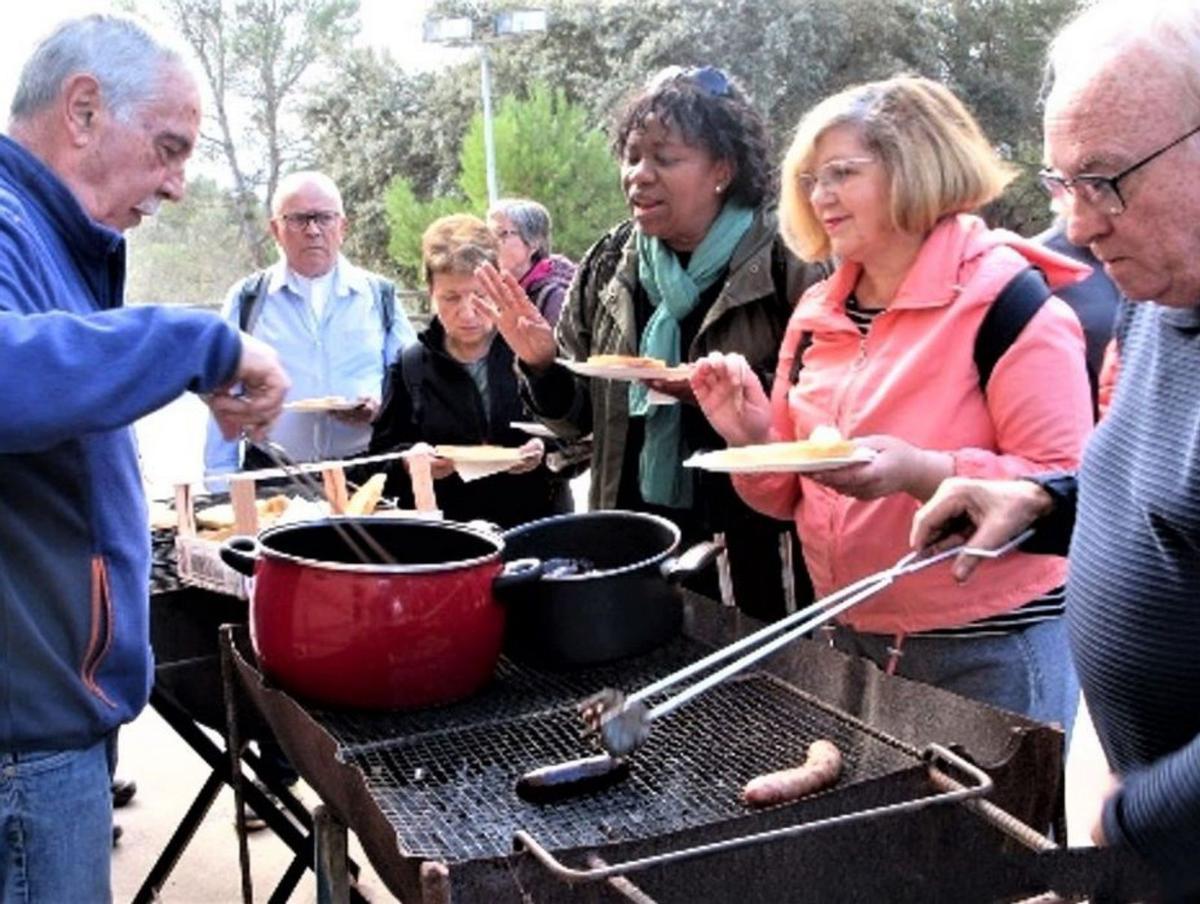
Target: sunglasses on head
(709,79)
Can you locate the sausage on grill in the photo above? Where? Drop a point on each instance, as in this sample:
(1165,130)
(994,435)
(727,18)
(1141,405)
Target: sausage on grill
(820,770)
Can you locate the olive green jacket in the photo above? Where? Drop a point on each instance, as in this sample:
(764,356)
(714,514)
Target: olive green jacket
(748,316)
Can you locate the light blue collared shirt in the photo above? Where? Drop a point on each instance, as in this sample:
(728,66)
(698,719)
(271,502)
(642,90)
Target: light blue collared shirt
(343,352)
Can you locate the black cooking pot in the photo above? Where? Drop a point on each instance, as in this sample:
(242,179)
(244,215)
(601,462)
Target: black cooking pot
(608,587)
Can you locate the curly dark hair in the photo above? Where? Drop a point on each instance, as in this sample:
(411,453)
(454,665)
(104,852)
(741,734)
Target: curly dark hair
(722,121)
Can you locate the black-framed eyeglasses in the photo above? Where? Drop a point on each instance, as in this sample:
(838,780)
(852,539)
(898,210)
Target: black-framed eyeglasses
(299,222)
(709,79)
(1101,192)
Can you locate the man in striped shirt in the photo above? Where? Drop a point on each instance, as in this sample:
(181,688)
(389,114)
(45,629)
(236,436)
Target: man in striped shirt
(1122,134)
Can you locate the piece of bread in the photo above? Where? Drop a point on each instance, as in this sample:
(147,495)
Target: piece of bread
(319,403)
(625,361)
(367,496)
(822,444)
(218,517)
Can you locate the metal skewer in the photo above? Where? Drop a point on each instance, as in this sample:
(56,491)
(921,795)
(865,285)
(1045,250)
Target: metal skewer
(306,483)
(624,722)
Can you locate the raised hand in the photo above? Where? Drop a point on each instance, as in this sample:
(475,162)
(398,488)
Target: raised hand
(527,332)
(732,399)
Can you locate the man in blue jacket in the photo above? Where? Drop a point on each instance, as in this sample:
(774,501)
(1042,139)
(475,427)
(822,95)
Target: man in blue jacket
(103,121)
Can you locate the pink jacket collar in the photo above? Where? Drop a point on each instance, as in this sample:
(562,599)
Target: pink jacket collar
(935,278)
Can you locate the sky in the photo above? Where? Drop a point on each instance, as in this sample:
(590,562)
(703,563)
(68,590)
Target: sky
(386,23)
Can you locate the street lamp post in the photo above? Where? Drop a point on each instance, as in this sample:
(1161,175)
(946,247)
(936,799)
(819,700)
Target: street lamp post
(460,32)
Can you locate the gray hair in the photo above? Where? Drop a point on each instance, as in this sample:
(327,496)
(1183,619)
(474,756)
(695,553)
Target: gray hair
(293,182)
(529,218)
(119,53)
(1089,43)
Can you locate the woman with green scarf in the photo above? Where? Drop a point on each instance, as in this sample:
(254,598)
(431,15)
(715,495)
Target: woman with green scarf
(699,267)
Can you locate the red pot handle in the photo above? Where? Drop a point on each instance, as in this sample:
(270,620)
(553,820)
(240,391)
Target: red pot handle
(241,554)
(516,573)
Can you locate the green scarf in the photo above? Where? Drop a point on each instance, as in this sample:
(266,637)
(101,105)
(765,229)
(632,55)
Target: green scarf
(674,293)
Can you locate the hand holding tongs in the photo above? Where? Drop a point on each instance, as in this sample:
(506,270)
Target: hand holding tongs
(306,483)
(624,722)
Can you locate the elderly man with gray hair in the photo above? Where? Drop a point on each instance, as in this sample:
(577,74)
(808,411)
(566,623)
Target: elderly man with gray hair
(102,124)
(1122,148)
(337,329)
(522,228)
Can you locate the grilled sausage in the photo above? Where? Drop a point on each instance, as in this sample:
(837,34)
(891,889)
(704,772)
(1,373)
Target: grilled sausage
(820,770)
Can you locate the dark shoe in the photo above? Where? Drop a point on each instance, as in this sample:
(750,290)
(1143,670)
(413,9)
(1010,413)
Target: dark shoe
(117,833)
(122,792)
(255,822)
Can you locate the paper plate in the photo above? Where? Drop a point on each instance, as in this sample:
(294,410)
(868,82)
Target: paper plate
(772,458)
(627,372)
(324,403)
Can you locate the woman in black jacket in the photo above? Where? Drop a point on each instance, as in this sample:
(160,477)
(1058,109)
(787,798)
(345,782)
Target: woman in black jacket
(457,386)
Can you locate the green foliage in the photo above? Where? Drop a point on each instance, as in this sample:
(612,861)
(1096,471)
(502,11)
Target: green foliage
(372,125)
(409,216)
(189,252)
(545,150)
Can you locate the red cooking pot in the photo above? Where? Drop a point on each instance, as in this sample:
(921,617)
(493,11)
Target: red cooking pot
(424,631)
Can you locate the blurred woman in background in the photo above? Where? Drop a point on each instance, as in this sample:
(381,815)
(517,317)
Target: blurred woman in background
(883,177)
(522,229)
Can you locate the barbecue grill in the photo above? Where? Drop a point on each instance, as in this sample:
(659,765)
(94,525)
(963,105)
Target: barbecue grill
(436,787)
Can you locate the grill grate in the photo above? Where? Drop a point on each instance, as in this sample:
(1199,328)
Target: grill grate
(449,794)
(515,690)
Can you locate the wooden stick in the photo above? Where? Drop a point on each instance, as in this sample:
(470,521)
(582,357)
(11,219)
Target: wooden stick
(245,512)
(335,488)
(185,516)
(420,471)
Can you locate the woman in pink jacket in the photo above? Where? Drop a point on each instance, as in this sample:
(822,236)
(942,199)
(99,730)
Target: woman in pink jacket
(882,177)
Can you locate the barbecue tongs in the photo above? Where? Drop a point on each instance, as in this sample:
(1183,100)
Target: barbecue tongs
(623,722)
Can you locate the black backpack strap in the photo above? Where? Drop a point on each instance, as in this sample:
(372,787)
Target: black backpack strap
(1012,309)
(412,372)
(250,300)
(806,339)
(383,291)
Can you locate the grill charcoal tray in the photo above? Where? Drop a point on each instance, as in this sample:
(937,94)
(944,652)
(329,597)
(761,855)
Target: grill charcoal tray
(448,795)
(444,778)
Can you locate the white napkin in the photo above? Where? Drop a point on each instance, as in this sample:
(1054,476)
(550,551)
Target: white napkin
(469,471)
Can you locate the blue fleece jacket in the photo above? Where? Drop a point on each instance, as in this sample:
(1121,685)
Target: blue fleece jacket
(76,369)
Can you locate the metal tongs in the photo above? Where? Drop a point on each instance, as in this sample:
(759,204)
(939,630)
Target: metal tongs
(623,722)
(307,484)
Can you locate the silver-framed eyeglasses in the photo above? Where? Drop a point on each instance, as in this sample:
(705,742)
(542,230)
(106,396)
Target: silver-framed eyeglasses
(1100,192)
(299,222)
(832,175)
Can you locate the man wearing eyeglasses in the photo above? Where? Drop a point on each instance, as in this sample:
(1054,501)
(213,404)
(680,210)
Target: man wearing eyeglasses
(336,327)
(1123,154)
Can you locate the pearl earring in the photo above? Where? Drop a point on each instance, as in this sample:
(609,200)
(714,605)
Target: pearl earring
(720,188)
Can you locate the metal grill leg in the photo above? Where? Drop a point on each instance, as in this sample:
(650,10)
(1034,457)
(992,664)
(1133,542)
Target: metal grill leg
(329,850)
(787,555)
(724,573)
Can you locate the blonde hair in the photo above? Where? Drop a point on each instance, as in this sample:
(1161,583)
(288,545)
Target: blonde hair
(937,159)
(457,244)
